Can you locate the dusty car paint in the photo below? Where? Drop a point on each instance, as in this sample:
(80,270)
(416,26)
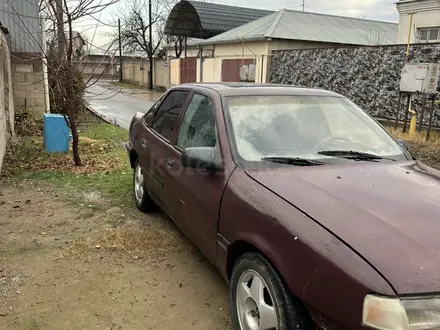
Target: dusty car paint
(335,232)
(387,212)
(317,266)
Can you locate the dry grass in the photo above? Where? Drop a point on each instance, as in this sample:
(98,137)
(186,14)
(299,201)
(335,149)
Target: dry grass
(27,154)
(139,242)
(427,151)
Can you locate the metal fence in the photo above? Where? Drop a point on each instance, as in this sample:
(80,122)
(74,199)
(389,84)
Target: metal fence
(22,19)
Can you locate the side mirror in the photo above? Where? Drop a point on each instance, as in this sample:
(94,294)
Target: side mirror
(202,158)
(403,144)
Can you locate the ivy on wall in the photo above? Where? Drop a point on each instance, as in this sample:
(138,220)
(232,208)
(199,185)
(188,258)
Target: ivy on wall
(369,76)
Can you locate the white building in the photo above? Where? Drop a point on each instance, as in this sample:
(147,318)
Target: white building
(425,17)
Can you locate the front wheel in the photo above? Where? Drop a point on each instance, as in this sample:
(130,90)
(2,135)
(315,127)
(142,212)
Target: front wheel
(141,196)
(261,301)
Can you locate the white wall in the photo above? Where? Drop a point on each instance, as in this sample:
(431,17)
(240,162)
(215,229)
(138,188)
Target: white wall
(260,51)
(212,68)
(426,14)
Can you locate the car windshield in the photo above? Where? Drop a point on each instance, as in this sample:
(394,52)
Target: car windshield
(309,127)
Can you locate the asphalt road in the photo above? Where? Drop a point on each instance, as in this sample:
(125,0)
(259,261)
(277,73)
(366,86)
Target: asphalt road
(118,106)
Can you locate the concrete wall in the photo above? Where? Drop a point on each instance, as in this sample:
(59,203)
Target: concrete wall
(427,14)
(161,74)
(369,76)
(133,73)
(28,82)
(98,66)
(208,70)
(175,72)
(6,98)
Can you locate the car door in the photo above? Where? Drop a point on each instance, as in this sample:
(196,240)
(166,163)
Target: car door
(197,194)
(155,143)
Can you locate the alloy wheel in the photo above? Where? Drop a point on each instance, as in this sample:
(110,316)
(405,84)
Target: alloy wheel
(139,184)
(255,307)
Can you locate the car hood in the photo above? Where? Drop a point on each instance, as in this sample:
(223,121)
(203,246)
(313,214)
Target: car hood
(388,212)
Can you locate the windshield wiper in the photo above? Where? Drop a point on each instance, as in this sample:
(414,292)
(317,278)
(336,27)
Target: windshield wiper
(354,155)
(293,161)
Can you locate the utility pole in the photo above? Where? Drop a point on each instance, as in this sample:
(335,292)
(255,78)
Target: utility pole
(60,29)
(303,5)
(150,32)
(120,50)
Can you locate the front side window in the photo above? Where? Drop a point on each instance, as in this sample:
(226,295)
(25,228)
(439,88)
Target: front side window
(149,115)
(304,127)
(198,127)
(167,115)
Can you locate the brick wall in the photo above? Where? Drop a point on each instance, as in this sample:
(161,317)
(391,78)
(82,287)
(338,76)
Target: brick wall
(6,98)
(369,76)
(28,81)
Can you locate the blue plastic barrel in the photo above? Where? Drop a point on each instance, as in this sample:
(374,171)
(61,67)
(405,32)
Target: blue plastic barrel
(56,133)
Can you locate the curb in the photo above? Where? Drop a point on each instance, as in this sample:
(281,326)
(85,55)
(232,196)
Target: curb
(100,115)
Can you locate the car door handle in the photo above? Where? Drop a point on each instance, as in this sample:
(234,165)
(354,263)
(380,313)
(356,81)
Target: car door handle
(169,164)
(144,143)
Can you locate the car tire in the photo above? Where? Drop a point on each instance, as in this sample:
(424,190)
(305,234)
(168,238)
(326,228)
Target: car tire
(140,192)
(252,273)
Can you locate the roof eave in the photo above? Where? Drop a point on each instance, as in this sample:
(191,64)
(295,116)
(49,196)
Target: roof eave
(232,41)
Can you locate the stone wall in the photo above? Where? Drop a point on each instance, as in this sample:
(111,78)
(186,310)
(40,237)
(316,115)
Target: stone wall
(6,98)
(28,79)
(369,76)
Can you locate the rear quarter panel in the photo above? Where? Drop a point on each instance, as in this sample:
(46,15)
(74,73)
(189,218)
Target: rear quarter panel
(324,273)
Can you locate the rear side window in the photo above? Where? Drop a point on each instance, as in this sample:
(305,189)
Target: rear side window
(168,113)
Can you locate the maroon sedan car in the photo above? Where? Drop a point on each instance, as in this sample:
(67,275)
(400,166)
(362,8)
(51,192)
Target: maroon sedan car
(311,211)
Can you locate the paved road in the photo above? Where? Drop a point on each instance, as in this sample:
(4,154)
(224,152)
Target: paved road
(116,105)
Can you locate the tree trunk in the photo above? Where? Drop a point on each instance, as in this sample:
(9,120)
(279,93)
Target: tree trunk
(75,141)
(74,107)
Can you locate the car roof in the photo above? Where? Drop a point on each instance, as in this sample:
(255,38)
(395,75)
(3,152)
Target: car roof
(238,89)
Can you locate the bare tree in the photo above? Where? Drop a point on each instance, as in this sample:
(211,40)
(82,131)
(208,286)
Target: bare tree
(67,84)
(177,42)
(135,25)
(135,21)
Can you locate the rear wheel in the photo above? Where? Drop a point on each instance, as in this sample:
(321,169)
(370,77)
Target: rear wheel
(140,191)
(261,301)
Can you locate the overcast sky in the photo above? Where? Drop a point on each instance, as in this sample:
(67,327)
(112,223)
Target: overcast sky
(371,9)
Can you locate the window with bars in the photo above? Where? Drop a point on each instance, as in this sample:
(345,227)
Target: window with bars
(429,34)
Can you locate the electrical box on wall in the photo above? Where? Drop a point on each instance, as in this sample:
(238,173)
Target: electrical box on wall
(244,72)
(247,72)
(252,69)
(432,78)
(419,77)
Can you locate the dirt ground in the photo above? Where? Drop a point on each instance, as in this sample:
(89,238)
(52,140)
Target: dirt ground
(63,266)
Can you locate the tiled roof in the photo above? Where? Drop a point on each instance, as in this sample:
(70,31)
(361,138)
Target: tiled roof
(305,26)
(203,20)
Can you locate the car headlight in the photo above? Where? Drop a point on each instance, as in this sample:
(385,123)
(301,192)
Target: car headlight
(401,314)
